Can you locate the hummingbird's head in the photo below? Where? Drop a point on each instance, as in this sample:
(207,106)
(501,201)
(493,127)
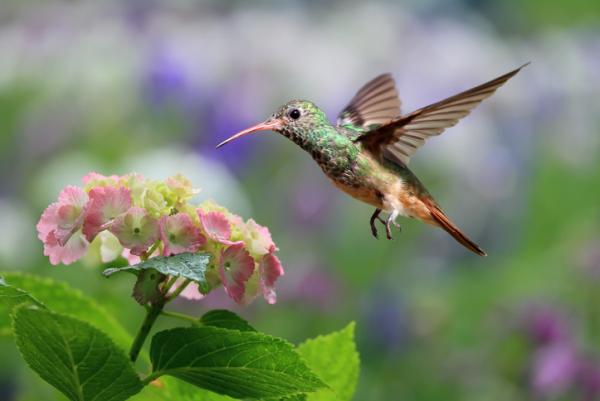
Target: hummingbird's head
(293,119)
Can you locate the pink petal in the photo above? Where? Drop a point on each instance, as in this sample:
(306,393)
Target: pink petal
(216,226)
(109,247)
(192,292)
(131,179)
(136,230)
(48,222)
(179,234)
(94,178)
(236,267)
(132,259)
(236,220)
(181,187)
(64,217)
(69,220)
(252,287)
(73,195)
(105,204)
(74,249)
(261,241)
(270,270)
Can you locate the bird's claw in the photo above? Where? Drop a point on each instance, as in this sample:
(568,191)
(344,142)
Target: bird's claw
(372,221)
(374,230)
(388,232)
(386,223)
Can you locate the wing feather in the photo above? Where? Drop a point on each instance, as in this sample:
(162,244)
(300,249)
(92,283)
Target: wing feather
(399,139)
(375,104)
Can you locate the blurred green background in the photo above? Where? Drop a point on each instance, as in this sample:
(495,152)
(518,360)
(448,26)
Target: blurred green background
(149,86)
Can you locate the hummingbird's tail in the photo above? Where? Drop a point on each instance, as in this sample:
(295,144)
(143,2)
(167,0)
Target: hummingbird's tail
(440,219)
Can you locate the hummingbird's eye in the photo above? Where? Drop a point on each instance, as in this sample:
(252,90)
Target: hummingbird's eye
(294,114)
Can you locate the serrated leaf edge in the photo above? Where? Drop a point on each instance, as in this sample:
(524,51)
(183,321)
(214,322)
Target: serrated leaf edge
(65,286)
(352,327)
(253,329)
(102,333)
(315,377)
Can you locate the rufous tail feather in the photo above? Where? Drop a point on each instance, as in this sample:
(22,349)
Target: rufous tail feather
(440,219)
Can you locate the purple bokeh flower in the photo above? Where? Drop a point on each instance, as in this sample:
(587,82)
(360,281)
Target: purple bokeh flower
(314,286)
(231,109)
(546,325)
(166,80)
(554,369)
(589,379)
(311,202)
(384,311)
(560,366)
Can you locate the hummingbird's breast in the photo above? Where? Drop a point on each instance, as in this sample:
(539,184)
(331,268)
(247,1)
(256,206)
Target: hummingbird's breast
(361,177)
(341,160)
(356,171)
(386,185)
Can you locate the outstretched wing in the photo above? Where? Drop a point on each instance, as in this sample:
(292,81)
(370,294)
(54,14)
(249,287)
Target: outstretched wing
(375,104)
(399,139)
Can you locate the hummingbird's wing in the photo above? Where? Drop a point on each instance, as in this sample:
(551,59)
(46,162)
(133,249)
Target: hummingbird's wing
(375,104)
(399,139)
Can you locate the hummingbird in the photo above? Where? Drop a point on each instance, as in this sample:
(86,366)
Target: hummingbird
(367,152)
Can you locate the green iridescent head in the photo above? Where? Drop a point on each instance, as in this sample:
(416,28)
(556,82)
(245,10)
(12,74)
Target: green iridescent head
(294,119)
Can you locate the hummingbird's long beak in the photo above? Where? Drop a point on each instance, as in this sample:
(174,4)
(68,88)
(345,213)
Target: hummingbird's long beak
(268,125)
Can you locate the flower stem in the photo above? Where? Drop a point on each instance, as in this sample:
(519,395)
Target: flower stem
(182,316)
(179,290)
(150,251)
(168,284)
(151,316)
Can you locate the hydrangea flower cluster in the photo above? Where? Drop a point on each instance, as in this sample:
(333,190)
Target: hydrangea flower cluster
(140,218)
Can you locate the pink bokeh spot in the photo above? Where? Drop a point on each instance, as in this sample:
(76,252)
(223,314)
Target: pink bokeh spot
(270,270)
(105,204)
(179,234)
(136,230)
(216,226)
(235,267)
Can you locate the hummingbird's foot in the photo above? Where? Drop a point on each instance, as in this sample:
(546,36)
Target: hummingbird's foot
(374,217)
(388,223)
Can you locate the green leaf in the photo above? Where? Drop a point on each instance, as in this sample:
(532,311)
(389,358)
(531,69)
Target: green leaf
(146,288)
(76,358)
(172,389)
(225,319)
(230,362)
(59,297)
(11,297)
(188,265)
(335,360)
(296,397)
